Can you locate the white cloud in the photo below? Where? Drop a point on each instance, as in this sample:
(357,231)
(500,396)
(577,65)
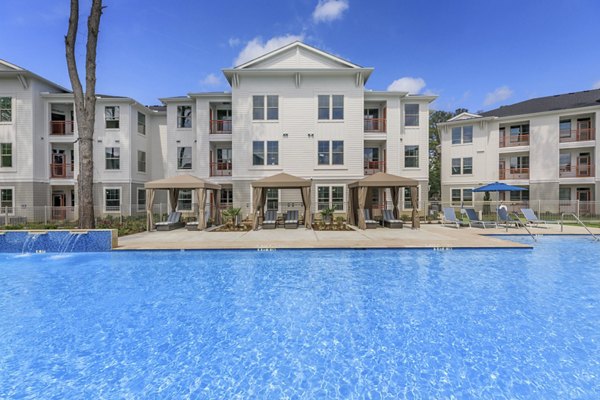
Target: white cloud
(408,84)
(234,42)
(329,10)
(596,85)
(210,80)
(500,94)
(256,47)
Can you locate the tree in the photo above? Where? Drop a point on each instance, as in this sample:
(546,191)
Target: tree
(85,106)
(435,149)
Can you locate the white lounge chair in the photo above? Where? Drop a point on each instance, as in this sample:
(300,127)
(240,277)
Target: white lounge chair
(173,222)
(531,218)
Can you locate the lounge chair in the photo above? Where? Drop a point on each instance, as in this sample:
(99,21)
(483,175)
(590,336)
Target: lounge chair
(291,220)
(505,218)
(531,218)
(193,226)
(371,223)
(270,221)
(450,218)
(475,221)
(172,222)
(390,221)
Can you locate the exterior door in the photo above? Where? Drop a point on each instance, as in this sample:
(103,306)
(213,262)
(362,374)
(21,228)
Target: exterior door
(584,165)
(58,164)
(584,129)
(224,161)
(224,120)
(502,169)
(59,212)
(584,195)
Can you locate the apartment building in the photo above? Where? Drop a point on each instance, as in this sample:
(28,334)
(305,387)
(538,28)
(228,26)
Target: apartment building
(39,150)
(546,145)
(297,110)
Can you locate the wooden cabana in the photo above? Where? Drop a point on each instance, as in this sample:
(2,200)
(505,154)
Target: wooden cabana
(280,181)
(174,184)
(359,192)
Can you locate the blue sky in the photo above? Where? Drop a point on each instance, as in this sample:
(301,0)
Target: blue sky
(475,54)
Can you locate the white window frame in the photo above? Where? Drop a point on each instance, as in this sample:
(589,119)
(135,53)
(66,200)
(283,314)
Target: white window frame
(330,164)
(178,117)
(120,199)
(330,201)
(265,108)
(462,172)
(462,135)
(12,208)
(12,110)
(265,153)
(12,156)
(143,133)
(418,114)
(113,158)
(404,208)
(182,191)
(191,158)
(330,107)
(117,112)
(418,156)
(278,200)
(462,196)
(138,199)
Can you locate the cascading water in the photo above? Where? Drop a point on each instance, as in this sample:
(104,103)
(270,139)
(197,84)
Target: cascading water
(29,243)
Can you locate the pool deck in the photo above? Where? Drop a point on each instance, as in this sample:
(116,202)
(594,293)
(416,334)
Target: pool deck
(429,236)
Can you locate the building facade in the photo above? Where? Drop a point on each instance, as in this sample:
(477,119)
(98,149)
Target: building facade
(297,110)
(545,145)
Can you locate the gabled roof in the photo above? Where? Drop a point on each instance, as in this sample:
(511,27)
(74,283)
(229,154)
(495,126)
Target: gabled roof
(298,45)
(181,182)
(281,180)
(463,116)
(13,70)
(383,179)
(586,98)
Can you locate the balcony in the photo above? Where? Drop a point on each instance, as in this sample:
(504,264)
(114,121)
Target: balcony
(514,140)
(220,168)
(581,170)
(61,171)
(577,135)
(373,167)
(513,173)
(375,125)
(220,126)
(62,128)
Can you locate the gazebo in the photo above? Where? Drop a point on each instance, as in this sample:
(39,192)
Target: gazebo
(174,184)
(359,192)
(280,181)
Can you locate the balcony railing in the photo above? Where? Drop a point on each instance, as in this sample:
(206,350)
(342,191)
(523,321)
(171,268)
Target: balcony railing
(514,140)
(373,167)
(218,126)
(513,173)
(375,125)
(62,128)
(576,171)
(577,135)
(220,168)
(61,170)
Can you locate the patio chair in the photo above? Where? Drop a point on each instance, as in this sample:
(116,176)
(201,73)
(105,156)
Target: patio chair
(505,218)
(450,218)
(532,219)
(173,222)
(270,221)
(475,221)
(390,221)
(371,223)
(291,220)
(193,226)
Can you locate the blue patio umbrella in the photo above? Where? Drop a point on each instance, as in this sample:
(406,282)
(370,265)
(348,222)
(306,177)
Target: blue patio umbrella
(498,187)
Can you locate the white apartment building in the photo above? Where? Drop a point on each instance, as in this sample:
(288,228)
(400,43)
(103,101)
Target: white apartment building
(297,110)
(546,145)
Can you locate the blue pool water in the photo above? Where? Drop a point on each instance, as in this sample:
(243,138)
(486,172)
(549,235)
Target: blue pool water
(303,324)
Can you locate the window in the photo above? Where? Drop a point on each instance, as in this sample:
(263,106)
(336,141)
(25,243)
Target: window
(112,115)
(271,151)
(462,134)
(6,156)
(411,115)
(5,109)
(112,156)
(226,198)
(565,162)
(184,202)
(258,153)
(184,116)
(272,106)
(519,164)
(519,133)
(112,199)
(141,161)
(184,158)
(331,107)
(333,157)
(272,199)
(467,165)
(330,197)
(411,156)
(565,128)
(6,200)
(519,196)
(141,199)
(456,166)
(461,196)
(564,194)
(141,123)
(408,199)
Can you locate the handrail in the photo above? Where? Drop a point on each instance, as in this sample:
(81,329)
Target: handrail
(578,220)
(519,222)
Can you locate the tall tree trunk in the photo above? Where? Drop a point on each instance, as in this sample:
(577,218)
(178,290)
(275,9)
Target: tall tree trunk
(85,106)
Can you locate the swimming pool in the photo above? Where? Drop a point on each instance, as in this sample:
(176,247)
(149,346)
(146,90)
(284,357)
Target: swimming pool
(304,324)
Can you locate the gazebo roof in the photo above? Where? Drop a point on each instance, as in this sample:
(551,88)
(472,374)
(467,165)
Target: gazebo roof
(382,179)
(281,180)
(181,182)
